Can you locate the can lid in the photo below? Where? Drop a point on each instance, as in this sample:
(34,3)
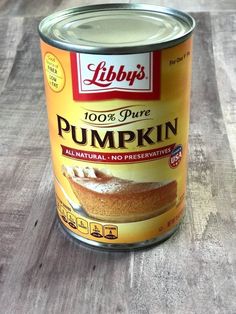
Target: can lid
(116,28)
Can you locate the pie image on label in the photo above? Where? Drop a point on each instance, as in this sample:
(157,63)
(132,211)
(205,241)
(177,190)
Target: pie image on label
(114,199)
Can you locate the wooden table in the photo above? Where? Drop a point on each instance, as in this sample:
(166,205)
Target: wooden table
(42,270)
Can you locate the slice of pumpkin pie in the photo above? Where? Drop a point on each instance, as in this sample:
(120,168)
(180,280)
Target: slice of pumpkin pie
(113,199)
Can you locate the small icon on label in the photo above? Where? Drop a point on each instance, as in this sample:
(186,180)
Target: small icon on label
(54,72)
(110,232)
(71,220)
(176,156)
(96,230)
(64,218)
(82,225)
(61,210)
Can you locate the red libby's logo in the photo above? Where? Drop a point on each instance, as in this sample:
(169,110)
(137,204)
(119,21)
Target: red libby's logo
(104,77)
(98,77)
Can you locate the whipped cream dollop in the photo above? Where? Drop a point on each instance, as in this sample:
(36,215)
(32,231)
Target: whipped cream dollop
(100,181)
(84,172)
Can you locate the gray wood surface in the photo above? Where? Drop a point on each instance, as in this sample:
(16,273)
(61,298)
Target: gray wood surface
(42,270)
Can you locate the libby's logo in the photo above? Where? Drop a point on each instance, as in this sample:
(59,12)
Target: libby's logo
(98,77)
(104,76)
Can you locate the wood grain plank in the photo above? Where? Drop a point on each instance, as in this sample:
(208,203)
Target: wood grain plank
(24,145)
(10,35)
(20,180)
(57,275)
(194,6)
(27,7)
(224,48)
(71,3)
(42,8)
(23,128)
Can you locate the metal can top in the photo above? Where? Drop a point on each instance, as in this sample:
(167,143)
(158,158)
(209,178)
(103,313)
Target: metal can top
(116,28)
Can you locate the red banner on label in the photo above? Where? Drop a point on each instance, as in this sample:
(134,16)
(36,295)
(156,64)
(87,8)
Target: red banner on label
(128,157)
(102,77)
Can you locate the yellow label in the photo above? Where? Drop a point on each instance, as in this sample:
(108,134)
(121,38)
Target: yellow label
(119,134)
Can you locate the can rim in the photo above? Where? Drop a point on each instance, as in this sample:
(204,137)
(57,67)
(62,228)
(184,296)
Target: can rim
(185,17)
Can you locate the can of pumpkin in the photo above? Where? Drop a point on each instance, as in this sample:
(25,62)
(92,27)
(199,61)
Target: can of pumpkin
(117,81)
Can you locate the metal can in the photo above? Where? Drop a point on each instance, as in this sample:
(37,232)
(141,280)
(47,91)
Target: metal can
(117,82)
